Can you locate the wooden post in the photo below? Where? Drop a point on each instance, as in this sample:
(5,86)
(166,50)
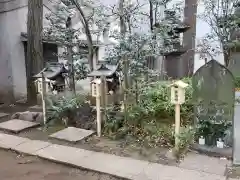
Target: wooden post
(98,108)
(177,122)
(43,93)
(106,92)
(103,96)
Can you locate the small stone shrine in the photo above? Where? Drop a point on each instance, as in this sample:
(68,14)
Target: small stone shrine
(56,73)
(110,72)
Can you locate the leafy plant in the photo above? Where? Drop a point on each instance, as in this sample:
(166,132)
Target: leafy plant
(114,121)
(211,131)
(150,121)
(185,139)
(237,82)
(63,108)
(155,102)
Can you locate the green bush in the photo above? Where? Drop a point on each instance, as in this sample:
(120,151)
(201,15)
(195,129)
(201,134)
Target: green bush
(155,103)
(211,131)
(150,121)
(63,108)
(237,82)
(185,139)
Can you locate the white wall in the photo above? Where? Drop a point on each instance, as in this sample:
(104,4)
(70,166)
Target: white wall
(12,57)
(5,64)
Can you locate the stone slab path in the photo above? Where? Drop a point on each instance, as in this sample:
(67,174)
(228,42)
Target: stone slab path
(105,163)
(72,134)
(17,125)
(198,162)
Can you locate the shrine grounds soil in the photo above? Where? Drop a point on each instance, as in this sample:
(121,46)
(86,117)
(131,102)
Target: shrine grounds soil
(20,167)
(124,148)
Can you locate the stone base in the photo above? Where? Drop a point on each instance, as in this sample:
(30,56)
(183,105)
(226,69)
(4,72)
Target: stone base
(72,134)
(213,151)
(17,125)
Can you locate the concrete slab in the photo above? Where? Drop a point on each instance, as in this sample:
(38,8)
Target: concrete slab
(110,164)
(105,163)
(121,166)
(93,160)
(31,147)
(63,154)
(160,172)
(205,163)
(17,125)
(10,141)
(72,134)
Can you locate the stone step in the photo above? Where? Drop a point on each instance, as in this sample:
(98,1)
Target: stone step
(4,117)
(17,125)
(72,134)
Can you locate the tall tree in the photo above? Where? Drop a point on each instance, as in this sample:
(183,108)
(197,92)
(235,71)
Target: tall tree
(34,46)
(125,60)
(87,30)
(220,16)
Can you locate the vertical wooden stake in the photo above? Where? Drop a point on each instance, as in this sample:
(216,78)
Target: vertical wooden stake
(43,93)
(177,122)
(98,108)
(103,96)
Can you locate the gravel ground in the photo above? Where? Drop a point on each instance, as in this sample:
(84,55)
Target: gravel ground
(19,167)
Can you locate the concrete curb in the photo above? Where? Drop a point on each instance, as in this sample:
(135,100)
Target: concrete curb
(121,167)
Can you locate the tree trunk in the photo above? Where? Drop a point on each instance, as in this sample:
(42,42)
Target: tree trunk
(151,14)
(125,60)
(70,56)
(87,33)
(34,62)
(187,59)
(71,70)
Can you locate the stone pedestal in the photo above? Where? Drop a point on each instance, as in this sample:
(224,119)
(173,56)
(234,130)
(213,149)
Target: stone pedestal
(236,132)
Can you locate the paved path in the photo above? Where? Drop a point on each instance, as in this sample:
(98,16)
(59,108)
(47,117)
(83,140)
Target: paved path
(205,163)
(15,167)
(104,163)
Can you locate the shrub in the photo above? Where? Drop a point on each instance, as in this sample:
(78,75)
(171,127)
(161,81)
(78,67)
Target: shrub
(62,109)
(237,82)
(211,131)
(150,121)
(185,139)
(157,100)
